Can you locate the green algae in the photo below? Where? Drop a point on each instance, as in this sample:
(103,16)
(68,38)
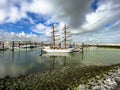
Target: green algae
(67,78)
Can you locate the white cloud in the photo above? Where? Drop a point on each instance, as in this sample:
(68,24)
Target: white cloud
(70,12)
(41,28)
(20,36)
(10,12)
(15,15)
(106,13)
(75,13)
(115,26)
(3,3)
(40,6)
(3,15)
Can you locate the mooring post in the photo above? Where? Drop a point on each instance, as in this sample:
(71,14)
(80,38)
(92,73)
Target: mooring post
(74,45)
(26,45)
(35,44)
(12,45)
(82,47)
(19,44)
(3,46)
(97,45)
(41,51)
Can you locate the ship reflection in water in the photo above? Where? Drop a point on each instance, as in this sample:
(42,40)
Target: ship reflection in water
(24,61)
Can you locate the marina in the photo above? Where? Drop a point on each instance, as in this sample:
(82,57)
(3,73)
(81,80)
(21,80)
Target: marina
(59,45)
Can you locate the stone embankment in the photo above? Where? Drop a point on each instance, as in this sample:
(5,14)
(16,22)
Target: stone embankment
(109,81)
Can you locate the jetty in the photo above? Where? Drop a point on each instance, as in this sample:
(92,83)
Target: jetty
(103,45)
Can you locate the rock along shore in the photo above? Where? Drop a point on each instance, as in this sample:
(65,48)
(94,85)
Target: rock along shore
(67,78)
(110,81)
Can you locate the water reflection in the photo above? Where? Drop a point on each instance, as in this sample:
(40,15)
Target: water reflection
(13,56)
(57,60)
(82,53)
(52,66)
(23,61)
(54,63)
(14,63)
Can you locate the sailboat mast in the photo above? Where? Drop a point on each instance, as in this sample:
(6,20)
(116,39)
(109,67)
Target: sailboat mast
(53,36)
(65,35)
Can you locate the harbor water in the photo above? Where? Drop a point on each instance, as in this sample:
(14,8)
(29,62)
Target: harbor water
(26,61)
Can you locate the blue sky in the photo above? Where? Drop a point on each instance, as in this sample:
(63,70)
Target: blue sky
(90,21)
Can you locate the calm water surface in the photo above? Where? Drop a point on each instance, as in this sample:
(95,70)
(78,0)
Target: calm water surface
(24,61)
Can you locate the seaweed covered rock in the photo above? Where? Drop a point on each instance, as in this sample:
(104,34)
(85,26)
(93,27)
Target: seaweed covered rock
(67,78)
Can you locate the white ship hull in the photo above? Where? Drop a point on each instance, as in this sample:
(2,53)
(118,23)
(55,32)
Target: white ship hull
(58,50)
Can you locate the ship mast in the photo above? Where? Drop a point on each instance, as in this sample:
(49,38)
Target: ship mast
(53,35)
(65,35)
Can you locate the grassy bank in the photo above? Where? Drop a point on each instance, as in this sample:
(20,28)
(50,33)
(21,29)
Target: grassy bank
(65,79)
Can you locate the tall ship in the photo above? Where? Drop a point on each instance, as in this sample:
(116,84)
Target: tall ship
(56,45)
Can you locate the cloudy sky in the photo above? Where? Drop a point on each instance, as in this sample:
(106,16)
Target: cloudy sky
(90,21)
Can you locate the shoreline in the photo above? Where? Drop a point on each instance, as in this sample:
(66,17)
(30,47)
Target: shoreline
(109,81)
(77,77)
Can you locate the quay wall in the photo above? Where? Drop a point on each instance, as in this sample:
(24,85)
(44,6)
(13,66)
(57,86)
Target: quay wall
(103,45)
